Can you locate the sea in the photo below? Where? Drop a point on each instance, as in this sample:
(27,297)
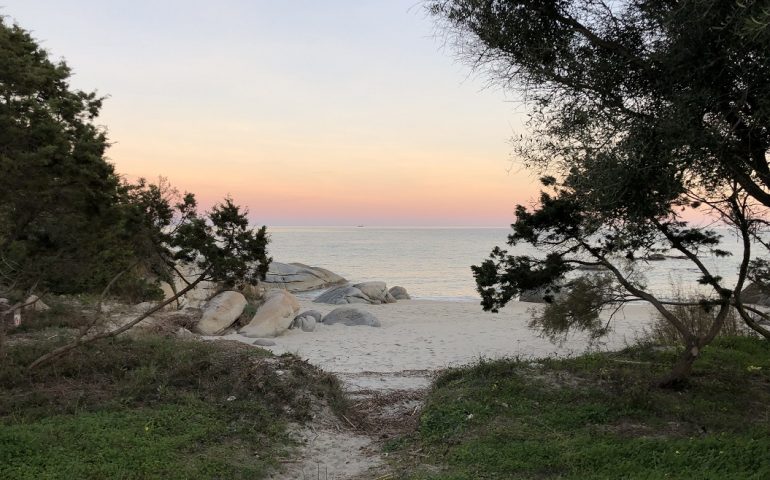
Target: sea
(434,262)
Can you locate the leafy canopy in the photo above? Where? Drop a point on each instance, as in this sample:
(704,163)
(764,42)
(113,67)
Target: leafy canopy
(639,111)
(58,194)
(68,223)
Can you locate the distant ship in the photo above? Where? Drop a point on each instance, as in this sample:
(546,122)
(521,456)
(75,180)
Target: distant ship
(360,226)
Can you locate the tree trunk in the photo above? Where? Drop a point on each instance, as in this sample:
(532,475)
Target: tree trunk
(753,324)
(682,368)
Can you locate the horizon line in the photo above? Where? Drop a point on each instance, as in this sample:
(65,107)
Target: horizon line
(387,226)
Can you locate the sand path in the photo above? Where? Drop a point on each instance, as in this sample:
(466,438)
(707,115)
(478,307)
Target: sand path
(387,370)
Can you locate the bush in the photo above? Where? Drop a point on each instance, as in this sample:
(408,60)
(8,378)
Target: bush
(136,289)
(698,319)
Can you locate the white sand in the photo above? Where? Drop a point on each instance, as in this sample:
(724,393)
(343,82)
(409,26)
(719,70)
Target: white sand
(431,335)
(329,453)
(416,339)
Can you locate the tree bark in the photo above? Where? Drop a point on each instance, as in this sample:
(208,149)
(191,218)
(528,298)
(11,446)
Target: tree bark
(752,324)
(682,368)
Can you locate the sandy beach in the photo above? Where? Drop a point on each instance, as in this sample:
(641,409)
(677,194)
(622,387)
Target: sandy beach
(393,365)
(420,335)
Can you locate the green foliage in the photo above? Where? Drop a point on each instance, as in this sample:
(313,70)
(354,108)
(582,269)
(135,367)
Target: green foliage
(153,407)
(68,224)
(661,90)
(223,244)
(58,195)
(577,309)
(504,277)
(135,288)
(171,441)
(167,230)
(639,111)
(759,272)
(595,417)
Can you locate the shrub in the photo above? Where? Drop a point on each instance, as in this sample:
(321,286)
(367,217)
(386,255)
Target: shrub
(698,319)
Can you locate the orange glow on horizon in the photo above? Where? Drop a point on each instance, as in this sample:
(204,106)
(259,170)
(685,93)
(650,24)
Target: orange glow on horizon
(319,182)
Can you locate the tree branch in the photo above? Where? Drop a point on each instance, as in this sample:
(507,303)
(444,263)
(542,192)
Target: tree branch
(80,341)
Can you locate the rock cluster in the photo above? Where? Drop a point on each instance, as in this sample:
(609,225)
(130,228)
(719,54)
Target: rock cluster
(278,310)
(293,277)
(374,293)
(33,303)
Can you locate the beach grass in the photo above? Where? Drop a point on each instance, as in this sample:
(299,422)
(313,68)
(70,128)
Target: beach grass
(596,416)
(153,408)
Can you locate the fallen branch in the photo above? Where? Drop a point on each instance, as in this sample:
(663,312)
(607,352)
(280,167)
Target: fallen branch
(113,333)
(347,420)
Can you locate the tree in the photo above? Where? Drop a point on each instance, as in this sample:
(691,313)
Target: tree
(692,74)
(641,111)
(221,245)
(69,224)
(60,215)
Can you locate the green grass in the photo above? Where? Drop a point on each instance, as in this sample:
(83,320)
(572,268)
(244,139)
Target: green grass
(163,441)
(597,417)
(153,408)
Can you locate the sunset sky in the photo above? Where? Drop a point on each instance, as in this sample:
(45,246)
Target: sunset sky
(308,112)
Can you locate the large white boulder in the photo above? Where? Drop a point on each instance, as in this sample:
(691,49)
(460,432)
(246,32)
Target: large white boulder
(297,277)
(220,312)
(274,316)
(350,316)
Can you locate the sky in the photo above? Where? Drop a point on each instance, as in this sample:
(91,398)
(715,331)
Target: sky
(306,112)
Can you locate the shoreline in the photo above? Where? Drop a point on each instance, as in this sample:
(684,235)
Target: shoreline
(430,335)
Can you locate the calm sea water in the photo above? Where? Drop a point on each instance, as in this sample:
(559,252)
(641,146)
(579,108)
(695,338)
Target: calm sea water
(434,263)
